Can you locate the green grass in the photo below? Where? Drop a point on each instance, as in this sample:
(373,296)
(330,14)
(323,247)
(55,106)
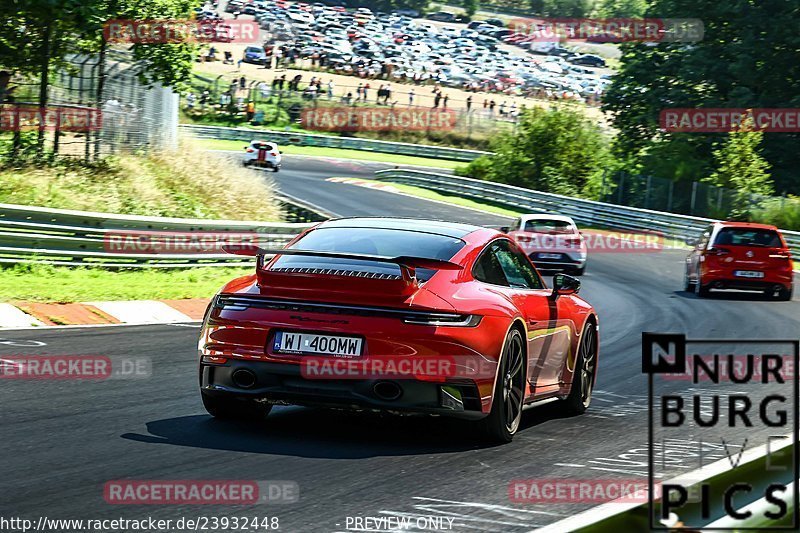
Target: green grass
(392,159)
(186,183)
(43,283)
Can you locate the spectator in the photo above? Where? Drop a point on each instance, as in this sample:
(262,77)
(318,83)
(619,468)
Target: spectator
(469,103)
(436,100)
(251,110)
(242,83)
(190,101)
(330,89)
(444,101)
(411,98)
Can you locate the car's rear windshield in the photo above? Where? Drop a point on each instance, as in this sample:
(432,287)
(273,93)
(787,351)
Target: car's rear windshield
(748,237)
(371,241)
(549,226)
(263,146)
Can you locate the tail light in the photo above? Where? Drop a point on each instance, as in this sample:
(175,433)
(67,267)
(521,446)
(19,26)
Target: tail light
(273,154)
(250,150)
(781,255)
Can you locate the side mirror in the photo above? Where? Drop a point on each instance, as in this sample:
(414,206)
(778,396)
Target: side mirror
(564,284)
(246,147)
(504,229)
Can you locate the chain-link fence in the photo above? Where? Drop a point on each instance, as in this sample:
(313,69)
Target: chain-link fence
(96,107)
(698,199)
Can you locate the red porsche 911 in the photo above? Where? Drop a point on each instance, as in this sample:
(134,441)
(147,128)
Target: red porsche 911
(398,315)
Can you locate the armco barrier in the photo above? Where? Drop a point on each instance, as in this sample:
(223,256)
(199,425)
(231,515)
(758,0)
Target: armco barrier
(329,141)
(584,212)
(78,238)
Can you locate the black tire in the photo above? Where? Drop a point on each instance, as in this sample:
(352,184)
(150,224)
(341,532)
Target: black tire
(784,295)
(701,290)
(509,392)
(688,286)
(228,408)
(580,394)
(579,271)
(276,169)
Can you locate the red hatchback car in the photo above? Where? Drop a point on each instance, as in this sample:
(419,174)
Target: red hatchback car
(398,315)
(740,255)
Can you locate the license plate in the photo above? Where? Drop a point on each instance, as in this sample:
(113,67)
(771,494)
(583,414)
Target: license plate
(748,274)
(549,256)
(317,344)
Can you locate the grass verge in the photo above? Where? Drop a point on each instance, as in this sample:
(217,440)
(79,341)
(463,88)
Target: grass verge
(44,283)
(391,159)
(187,183)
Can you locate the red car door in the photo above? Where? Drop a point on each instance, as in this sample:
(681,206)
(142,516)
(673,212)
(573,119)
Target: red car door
(549,321)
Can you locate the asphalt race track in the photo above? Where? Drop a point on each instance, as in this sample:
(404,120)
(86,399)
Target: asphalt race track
(61,441)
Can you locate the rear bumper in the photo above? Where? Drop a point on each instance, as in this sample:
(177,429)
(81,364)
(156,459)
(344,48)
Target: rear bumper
(280,383)
(565,262)
(724,279)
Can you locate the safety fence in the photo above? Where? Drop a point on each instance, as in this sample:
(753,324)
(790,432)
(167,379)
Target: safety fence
(329,141)
(77,238)
(585,212)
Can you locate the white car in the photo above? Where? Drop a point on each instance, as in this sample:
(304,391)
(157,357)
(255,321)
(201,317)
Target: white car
(262,154)
(552,242)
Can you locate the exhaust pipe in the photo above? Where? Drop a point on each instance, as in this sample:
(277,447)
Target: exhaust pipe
(243,378)
(387,390)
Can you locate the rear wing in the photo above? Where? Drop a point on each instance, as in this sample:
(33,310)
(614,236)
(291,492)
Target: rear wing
(405,262)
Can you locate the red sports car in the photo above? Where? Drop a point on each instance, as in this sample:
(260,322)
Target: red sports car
(740,255)
(398,315)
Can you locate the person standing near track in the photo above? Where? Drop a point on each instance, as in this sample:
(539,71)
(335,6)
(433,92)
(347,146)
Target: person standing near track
(411,98)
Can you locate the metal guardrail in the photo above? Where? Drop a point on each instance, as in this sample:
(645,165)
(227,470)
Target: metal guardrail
(78,238)
(584,212)
(329,141)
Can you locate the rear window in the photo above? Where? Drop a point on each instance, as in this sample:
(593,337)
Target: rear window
(748,237)
(549,226)
(263,146)
(371,241)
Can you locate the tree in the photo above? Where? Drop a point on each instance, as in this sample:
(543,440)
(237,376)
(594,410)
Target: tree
(744,60)
(470,7)
(622,8)
(741,168)
(556,150)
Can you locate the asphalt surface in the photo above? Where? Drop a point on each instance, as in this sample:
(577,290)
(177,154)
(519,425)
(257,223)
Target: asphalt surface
(63,440)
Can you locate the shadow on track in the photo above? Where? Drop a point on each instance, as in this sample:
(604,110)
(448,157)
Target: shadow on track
(328,434)
(741,296)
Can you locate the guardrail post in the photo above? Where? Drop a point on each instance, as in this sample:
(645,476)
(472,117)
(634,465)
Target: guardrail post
(621,187)
(694,197)
(669,196)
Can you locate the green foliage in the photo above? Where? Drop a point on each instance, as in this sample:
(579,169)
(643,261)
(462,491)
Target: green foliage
(555,150)
(745,60)
(562,8)
(622,8)
(740,167)
(470,7)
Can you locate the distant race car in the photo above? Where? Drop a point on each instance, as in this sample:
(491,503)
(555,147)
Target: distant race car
(262,154)
(552,242)
(740,255)
(398,315)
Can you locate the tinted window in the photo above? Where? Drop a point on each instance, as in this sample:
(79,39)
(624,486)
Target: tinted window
(549,226)
(748,237)
(371,241)
(516,267)
(488,268)
(503,265)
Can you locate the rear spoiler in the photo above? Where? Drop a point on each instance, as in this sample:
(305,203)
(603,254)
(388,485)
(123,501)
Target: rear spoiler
(404,261)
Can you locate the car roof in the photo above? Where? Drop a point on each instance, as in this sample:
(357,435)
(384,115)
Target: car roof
(752,225)
(437,227)
(546,216)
